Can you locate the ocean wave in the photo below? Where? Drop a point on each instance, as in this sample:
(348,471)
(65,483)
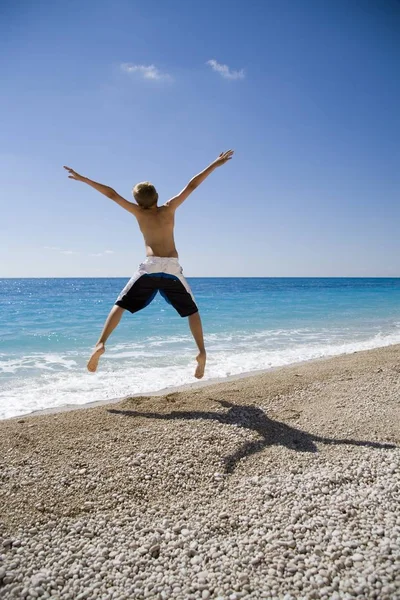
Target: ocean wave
(63,379)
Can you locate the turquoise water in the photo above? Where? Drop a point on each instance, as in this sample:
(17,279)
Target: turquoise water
(48,327)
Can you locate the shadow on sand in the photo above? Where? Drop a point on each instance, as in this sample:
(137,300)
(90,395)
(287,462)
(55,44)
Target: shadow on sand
(253,418)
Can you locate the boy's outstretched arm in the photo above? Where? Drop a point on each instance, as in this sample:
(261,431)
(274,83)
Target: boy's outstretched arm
(104,189)
(195,181)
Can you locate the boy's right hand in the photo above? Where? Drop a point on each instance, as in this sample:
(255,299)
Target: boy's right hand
(223,158)
(74,175)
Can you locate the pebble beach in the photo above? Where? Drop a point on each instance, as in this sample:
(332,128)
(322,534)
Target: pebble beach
(281,485)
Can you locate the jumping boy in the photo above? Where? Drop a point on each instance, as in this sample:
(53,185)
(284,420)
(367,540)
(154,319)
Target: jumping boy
(161,270)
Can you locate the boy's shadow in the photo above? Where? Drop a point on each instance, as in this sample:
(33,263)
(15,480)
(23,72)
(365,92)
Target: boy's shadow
(271,432)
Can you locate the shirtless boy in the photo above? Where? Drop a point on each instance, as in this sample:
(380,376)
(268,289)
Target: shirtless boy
(161,270)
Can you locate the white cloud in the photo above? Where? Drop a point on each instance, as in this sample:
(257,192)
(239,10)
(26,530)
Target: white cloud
(225,71)
(147,72)
(69,252)
(102,253)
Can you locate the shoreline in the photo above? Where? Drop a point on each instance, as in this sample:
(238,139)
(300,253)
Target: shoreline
(261,486)
(186,387)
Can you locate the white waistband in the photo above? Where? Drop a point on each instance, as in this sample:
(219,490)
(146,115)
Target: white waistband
(161,258)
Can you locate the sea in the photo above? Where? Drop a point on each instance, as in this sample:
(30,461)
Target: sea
(48,328)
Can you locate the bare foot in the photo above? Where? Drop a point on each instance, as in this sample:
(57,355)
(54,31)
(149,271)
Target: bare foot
(201,359)
(94,359)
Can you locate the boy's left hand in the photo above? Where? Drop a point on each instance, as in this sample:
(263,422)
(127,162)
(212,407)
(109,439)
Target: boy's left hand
(74,174)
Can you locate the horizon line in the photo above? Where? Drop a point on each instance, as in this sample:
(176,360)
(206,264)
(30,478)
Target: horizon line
(219,277)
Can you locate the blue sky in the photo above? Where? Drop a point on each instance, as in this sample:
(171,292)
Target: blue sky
(123,91)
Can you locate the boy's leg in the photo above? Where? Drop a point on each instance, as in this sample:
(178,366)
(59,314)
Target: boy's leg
(112,321)
(175,289)
(197,332)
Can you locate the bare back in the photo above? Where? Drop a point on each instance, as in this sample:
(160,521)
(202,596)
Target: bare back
(157,227)
(156,224)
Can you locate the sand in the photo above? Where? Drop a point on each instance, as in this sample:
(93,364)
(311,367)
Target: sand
(157,458)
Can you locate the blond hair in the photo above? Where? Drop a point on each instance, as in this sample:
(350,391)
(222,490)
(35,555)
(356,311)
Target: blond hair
(145,194)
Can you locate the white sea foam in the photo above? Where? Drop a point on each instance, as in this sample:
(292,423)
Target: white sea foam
(38,361)
(55,380)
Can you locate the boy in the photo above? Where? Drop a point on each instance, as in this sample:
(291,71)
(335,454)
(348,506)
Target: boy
(161,270)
